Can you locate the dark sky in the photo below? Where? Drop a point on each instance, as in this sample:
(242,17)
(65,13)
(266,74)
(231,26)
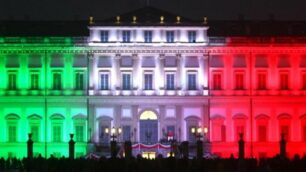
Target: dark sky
(214,9)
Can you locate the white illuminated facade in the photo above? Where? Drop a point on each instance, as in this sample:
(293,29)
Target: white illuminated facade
(136,69)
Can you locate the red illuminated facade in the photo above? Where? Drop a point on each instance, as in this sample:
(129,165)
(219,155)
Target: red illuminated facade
(258,88)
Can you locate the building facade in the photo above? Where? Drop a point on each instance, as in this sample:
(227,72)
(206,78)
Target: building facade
(153,81)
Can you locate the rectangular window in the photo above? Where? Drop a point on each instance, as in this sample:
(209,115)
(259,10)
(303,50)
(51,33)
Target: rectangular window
(192,82)
(284,81)
(284,129)
(12,81)
(126,133)
(217,81)
(79,133)
(170,81)
(261,81)
(148,36)
(12,133)
(35,133)
(262,133)
(223,133)
(239,81)
(104,36)
(34,81)
(126,36)
(148,81)
(104,81)
(57,81)
(170,36)
(56,133)
(79,81)
(304,81)
(239,130)
(126,81)
(304,133)
(192,36)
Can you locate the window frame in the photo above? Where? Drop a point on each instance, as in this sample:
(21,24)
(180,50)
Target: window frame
(104,36)
(196,80)
(192,36)
(123,86)
(126,36)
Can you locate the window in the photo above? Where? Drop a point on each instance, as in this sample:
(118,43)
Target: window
(170,36)
(217,81)
(170,81)
(223,133)
(284,78)
(148,81)
(261,81)
(34,81)
(79,81)
(79,133)
(239,81)
(126,36)
(262,133)
(104,81)
(35,133)
(126,81)
(304,81)
(170,132)
(284,129)
(239,130)
(104,36)
(148,36)
(12,81)
(12,133)
(192,36)
(56,133)
(57,81)
(304,133)
(192,82)
(126,133)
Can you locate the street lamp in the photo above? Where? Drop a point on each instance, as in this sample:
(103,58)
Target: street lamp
(197,132)
(115,132)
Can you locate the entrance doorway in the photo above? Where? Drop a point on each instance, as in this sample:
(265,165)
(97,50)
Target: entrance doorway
(149,155)
(148,127)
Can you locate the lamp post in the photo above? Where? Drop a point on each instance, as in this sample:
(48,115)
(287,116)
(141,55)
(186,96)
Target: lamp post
(197,131)
(114,133)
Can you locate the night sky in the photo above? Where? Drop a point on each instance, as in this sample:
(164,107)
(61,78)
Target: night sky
(100,9)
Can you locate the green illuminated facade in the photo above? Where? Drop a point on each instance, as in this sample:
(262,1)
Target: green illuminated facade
(43,92)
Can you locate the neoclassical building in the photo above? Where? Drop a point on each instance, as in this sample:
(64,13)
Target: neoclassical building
(154,75)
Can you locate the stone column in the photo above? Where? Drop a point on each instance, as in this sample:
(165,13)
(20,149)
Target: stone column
(135,123)
(161,73)
(162,126)
(116,83)
(136,73)
(91,65)
(178,78)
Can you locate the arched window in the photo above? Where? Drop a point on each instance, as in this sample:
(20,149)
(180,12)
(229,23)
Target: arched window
(148,115)
(79,122)
(262,125)
(104,123)
(239,125)
(57,127)
(34,126)
(218,128)
(303,127)
(12,127)
(191,122)
(284,125)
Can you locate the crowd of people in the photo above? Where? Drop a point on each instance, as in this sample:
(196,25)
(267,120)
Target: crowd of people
(159,164)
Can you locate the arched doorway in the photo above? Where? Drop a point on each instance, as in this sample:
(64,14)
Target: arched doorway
(148,127)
